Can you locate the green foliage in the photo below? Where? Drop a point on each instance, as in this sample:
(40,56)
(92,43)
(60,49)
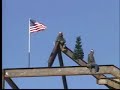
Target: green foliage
(78,51)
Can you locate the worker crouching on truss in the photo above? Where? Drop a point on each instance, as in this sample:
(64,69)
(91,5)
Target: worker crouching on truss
(91,62)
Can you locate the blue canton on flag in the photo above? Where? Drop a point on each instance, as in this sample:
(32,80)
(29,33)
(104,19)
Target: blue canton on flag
(36,26)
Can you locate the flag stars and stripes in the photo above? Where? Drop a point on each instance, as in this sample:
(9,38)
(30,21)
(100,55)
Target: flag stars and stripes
(36,26)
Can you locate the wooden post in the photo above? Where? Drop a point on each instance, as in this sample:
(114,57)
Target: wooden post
(62,64)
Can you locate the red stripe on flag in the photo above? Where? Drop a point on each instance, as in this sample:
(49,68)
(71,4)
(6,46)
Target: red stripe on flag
(37,27)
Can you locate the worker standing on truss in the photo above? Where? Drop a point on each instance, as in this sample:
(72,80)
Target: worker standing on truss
(61,40)
(91,61)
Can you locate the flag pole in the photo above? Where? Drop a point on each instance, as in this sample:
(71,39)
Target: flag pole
(29,46)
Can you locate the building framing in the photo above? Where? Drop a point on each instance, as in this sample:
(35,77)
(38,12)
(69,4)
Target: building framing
(81,69)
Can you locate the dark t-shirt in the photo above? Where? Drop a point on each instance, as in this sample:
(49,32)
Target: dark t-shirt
(61,39)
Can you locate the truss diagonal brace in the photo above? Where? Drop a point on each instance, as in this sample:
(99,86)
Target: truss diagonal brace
(112,82)
(53,55)
(11,83)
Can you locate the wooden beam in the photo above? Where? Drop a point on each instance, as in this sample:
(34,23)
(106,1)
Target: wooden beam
(112,78)
(80,62)
(54,71)
(115,71)
(64,82)
(53,55)
(11,83)
(69,53)
(115,82)
(62,65)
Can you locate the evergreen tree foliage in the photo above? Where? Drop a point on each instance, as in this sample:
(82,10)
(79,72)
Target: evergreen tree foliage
(78,51)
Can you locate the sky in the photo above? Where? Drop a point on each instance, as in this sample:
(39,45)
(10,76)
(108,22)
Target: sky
(96,21)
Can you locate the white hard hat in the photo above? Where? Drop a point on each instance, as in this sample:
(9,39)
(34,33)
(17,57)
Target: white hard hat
(92,50)
(60,32)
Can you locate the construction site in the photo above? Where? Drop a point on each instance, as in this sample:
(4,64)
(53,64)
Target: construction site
(63,71)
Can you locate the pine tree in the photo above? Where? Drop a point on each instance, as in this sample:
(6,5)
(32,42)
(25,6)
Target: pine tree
(78,51)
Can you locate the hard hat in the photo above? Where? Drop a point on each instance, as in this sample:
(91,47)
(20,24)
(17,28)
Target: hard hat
(92,50)
(60,32)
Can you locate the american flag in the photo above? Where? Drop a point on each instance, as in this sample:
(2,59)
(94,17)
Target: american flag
(36,26)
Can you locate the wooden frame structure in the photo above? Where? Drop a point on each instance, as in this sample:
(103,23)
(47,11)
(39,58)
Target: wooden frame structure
(81,69)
